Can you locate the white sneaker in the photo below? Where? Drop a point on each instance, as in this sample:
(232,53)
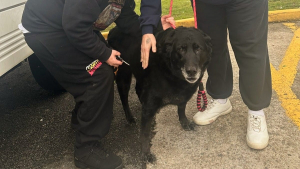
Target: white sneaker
(213,111)
(257,132)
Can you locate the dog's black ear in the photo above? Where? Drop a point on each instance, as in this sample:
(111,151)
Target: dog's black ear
(164,40)
(207,41)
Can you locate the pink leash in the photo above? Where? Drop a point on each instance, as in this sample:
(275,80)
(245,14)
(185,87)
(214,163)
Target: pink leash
(201,91)
(170,13)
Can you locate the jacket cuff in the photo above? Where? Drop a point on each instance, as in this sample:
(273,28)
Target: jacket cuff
(147,29)
(105,55)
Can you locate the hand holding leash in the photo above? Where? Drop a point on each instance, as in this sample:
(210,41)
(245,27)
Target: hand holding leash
(167,21)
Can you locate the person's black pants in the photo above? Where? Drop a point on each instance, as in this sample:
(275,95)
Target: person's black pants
(247,24)
(93,94)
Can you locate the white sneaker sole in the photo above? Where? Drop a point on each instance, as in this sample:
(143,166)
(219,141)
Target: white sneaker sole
(257,146)
(209,121)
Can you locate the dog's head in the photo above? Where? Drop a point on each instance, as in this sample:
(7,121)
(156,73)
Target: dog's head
(185,51)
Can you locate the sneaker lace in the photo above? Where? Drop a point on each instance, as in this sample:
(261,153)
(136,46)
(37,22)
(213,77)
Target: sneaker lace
(255,123)
(211,104)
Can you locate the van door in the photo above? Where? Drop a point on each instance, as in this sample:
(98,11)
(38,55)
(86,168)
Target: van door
(13,48)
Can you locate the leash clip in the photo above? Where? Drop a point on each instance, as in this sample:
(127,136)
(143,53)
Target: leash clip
(121,59)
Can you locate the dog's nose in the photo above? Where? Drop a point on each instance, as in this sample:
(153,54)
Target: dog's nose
(191,71)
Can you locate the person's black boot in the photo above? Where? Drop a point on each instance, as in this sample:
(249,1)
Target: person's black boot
(94,156)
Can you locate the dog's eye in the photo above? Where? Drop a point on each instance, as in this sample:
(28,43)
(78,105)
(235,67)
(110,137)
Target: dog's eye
(181,49)
(197,50)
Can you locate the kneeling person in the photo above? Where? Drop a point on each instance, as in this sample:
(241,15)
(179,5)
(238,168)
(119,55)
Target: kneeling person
(64,35)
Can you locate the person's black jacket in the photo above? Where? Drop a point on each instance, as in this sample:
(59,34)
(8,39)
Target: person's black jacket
(76,18)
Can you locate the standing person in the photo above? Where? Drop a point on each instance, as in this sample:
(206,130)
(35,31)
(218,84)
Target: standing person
(64,35)
(247,25)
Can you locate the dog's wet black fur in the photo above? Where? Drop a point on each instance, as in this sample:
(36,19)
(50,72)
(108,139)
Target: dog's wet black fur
(172,77)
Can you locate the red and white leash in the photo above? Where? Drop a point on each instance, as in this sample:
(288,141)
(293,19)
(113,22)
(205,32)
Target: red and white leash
(201,91)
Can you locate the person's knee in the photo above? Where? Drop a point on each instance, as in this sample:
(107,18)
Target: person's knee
(106,72)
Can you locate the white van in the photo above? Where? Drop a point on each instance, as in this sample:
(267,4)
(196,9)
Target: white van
(13,48)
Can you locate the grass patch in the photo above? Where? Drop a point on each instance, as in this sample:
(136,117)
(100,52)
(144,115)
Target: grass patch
(283,4)
(181,8)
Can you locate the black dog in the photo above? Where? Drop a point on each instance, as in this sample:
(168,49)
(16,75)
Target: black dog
(172,77)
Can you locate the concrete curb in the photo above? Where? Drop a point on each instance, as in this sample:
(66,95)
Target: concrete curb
(284,15)
(274,16)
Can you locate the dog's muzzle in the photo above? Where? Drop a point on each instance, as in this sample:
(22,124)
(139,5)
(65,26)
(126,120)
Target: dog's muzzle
(191,75)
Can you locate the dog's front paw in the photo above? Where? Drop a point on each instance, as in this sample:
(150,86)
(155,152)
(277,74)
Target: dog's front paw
(187,125)
(131,120)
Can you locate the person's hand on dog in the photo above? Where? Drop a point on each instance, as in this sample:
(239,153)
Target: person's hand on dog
(148,41)
(112,60)
(167,21)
